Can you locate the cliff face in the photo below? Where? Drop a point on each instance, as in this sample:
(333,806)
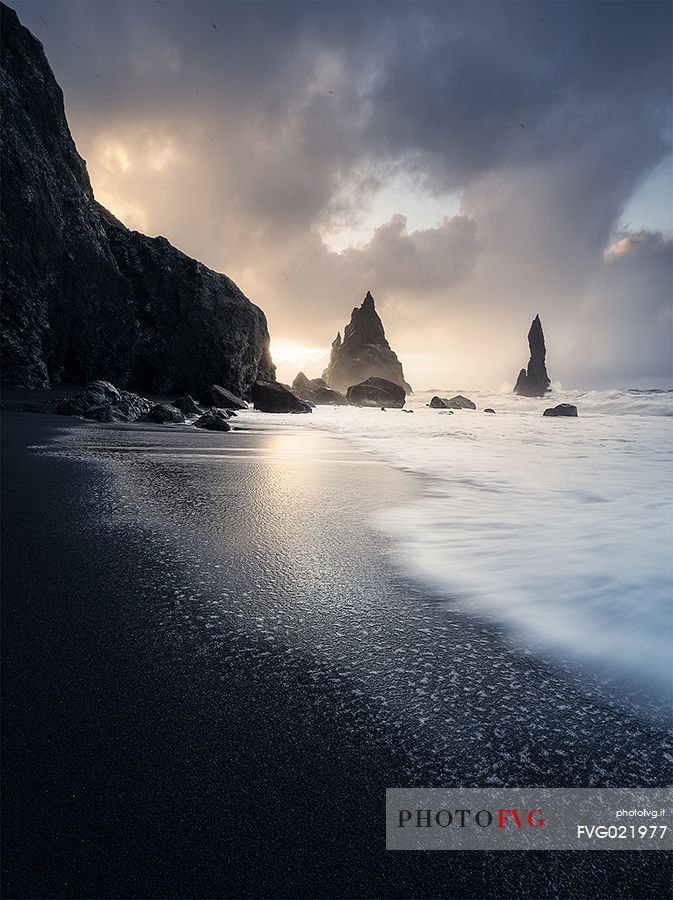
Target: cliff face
(195,326)
(534,381)
(83,296)
(363,353)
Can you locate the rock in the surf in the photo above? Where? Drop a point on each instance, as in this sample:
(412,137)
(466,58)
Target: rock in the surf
(460,402)
(457,402)
(376,392)
(563,409)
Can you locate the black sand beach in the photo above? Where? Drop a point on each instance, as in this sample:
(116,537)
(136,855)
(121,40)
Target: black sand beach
(213,670)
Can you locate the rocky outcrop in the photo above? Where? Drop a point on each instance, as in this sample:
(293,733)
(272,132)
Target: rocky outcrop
(376,392)
(103,402)
(213,420)
(165,414)
(364,352)
(563,409)
(85,297)
(315,391)
(534,381)
(276,398)
(221,398)
(457,402)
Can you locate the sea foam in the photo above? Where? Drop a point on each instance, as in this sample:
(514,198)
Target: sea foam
(559,528)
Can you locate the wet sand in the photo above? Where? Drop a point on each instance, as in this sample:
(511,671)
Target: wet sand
(213,669)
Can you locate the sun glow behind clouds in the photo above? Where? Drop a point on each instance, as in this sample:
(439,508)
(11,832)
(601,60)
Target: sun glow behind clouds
(291,358)
(132,165)
(283,351)
(356,215)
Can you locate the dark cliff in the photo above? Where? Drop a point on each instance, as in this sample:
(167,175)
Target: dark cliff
(363,353)
(534,381)
(83,296)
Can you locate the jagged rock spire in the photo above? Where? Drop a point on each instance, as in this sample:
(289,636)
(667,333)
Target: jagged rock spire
(534,381)
(364,352)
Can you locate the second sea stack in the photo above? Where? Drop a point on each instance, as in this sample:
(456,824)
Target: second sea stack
(534,381)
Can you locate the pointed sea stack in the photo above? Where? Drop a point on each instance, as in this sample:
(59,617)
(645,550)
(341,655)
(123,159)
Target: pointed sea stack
(534,382)
(364,352)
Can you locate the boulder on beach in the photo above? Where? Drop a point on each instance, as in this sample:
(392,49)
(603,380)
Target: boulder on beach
(165,414)
(315,391)
(376,392)
(563,409)
(213,419)
(270,396)
(364,352)
(103,402)
(534,381)
(187,405)
(221,398)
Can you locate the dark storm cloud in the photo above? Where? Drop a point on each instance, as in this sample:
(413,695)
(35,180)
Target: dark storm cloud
(516,82)
(246,131)
(453,81)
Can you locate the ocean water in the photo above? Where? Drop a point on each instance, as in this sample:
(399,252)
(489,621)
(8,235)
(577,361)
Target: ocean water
(559,529)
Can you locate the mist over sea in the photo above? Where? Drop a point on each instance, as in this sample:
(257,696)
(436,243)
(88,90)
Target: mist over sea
(560,529)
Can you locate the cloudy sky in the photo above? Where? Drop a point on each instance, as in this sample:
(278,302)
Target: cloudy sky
(471,164)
